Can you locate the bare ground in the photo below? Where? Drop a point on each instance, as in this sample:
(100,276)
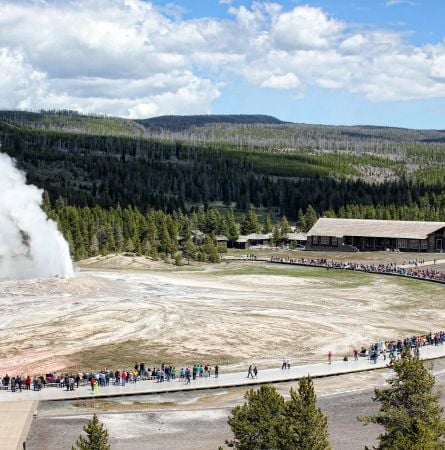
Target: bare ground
(228,314)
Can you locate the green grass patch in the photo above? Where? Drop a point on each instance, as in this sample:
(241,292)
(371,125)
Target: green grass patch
(343,276)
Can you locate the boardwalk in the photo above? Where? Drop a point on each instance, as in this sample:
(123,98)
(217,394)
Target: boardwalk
(224,380)
(17,408)
(396,271)
(15,422)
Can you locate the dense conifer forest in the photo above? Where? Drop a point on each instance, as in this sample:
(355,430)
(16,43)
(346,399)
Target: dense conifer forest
(103,175)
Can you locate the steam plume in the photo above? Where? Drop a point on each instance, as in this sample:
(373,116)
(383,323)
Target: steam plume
(31,246)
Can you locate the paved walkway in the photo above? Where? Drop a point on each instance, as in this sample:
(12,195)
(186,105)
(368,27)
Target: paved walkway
(224,380)
(15,421)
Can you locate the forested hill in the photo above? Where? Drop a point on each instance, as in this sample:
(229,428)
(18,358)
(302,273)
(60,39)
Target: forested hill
(91,160)
(73,122)
(180,123)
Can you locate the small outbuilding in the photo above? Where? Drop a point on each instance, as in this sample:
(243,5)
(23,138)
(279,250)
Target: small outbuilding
(221,240)
(373,235)
(296,238)
(252,240)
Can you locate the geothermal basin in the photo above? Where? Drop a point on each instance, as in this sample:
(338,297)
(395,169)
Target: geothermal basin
(231,314)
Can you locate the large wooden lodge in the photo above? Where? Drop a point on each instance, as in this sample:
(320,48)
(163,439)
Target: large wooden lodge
(369,235)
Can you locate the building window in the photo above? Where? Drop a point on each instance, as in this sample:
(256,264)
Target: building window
(402,243)
(334,241)
(424,244)
(324,240)
(315,240)
(413,243)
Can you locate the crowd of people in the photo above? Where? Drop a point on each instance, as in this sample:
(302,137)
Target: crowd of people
(107,377)
(391,268)
(392,349)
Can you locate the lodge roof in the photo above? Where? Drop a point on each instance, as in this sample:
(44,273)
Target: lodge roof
(254,237)
(374,228)
(296,236)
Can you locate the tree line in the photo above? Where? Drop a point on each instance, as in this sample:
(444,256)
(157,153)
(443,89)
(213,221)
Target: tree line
(92,231)
(105,170)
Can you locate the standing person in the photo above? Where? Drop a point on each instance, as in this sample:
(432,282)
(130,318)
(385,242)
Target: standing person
(216,371)
(284,365)
(18,381)
(255,372)
(28,383)
(417,352)
(187,376)
(355,354)
(249,372)
(288,363)
(330,357)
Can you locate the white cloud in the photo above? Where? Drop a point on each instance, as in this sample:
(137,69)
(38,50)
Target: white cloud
(305,27)
(127,57)
(438,68)
(288,81)
(399,2)
(20,84)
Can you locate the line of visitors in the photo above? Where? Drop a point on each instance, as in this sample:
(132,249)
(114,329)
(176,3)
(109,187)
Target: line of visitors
(394,348)
(391,268)
(105,377)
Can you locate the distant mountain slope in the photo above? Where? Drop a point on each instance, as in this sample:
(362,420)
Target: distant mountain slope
(90,160)
(73,122)
(180,123)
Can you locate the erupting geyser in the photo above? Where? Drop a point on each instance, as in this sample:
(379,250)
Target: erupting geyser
(31,246)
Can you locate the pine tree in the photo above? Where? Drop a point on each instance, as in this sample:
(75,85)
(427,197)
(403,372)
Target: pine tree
(276,235)
(96,438)
(250,223)
(301,221)
(46,202)
(189,250)
(310,217)
(409,409)
(210,248)
(94,245)
(267,224)
(304,426)
(284,227)
(232,233)
(253,423)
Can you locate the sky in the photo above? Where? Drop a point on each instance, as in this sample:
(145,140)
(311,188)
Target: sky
(375,62)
